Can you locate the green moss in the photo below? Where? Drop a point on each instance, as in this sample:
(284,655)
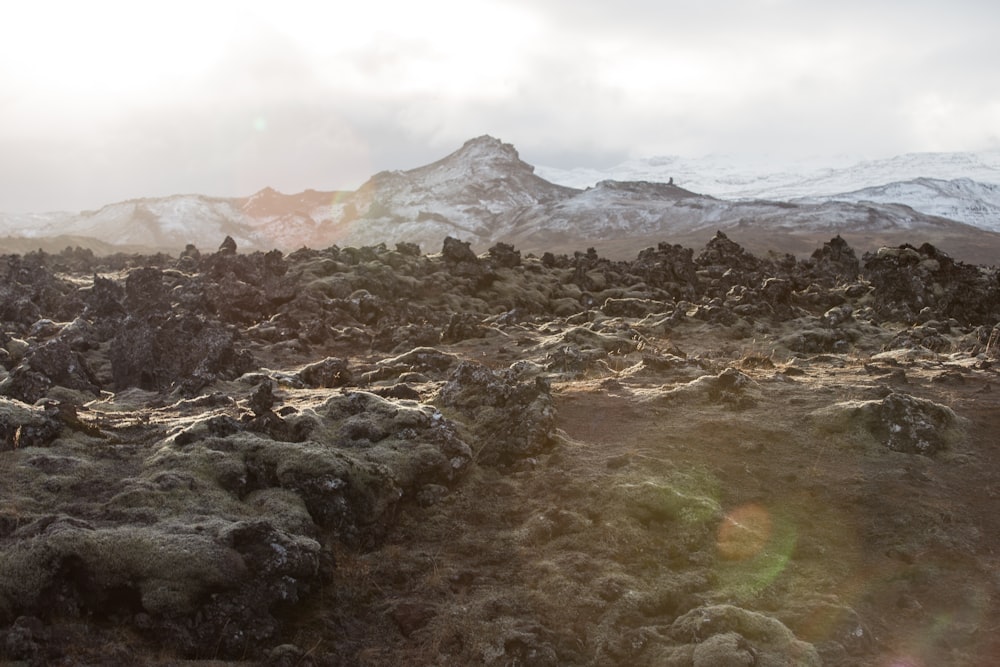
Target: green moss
(171,566)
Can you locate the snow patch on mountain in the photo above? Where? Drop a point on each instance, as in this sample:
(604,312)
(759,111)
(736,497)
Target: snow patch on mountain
(958,186)
(960,199)
(739,177)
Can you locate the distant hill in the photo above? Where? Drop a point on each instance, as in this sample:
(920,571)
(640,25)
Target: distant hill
(914,179)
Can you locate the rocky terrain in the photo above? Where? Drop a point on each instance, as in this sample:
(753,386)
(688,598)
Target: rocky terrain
(374,456)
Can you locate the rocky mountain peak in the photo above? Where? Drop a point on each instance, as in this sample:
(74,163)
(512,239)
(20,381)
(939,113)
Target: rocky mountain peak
(487,151)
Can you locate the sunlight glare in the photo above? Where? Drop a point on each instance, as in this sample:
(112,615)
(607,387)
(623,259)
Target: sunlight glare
(109,48)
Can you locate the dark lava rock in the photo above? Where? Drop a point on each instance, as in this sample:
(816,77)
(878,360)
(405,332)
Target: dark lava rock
(328,373)
(52,363)
(463,263)
(26,426)
(145,292)
(836,262)
(408,249)
(29,291)
(723,252)
(899,421)
(181,349)
(228,246)
(504,255)
(510,418)
(454,251)
(906,280)
(401,391)
(912,425)
(463,326)
(241,289)
(668,267)
(105,303)
(262,399)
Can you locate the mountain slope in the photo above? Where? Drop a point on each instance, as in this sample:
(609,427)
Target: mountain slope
(961,199)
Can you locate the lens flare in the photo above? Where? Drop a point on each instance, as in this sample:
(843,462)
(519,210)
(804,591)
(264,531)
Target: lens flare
(755,546)
(744,532)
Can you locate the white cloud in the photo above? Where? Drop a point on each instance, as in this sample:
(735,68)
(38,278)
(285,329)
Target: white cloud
(106,100)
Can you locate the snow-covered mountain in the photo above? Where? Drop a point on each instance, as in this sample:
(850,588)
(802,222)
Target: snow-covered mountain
(961,199)
(958,186)
(484,193)
(739,177)
(472,193)
(264,220)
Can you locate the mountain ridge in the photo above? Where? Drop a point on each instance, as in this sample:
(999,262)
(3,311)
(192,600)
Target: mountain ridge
(484,193)
(960,199)
(740,177)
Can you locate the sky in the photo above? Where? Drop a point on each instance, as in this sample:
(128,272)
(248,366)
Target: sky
(102,101)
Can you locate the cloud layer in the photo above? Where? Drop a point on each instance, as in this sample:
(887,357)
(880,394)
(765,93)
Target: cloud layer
(103,101)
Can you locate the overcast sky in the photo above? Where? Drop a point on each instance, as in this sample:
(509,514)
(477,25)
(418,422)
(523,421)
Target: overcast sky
(102,101)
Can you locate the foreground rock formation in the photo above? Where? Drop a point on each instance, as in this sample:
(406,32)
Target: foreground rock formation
(372,456)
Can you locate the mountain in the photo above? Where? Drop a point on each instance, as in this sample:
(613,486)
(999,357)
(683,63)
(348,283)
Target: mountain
(904,179)
(960,199)
(471,193)
(738,177)
(620,218)
(484,193)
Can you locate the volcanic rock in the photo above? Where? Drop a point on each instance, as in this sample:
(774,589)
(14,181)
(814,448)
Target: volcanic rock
(908,279)
(510,419)
(408,459)
(836,261)
(330,372)
(730,636)
(900,422)
(26,426)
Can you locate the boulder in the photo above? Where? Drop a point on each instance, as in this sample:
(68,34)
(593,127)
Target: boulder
(454,252)
(835,262)
(504,255)
(53,363)
(900,422)
(176,350)
(26,426)
(725,635)
(511,419)
(723,252)
(328,373)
